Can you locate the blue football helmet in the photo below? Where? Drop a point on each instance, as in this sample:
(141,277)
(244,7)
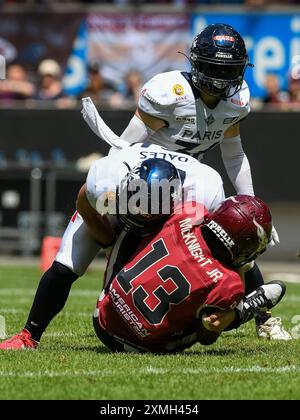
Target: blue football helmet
(147,195)
(219,60)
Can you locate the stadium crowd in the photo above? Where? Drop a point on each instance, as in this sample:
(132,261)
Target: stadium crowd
(46,86)
(254,3)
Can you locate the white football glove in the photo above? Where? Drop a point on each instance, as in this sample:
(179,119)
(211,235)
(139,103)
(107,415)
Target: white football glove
(274,237)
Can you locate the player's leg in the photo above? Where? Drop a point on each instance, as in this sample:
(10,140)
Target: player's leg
(253,280)
(267,326)
(77,251)
(50,298)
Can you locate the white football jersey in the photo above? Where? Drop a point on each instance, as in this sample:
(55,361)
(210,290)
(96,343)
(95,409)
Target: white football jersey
(201,183)
(192,127)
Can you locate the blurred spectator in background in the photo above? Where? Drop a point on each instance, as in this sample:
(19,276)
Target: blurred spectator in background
(129,91)
(133,86)
(262,3)
(98,89)
(50,86)
(274,95)
(178,3)
(257,3)
(16,85)
(294,93)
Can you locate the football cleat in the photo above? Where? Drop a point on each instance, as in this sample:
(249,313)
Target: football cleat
(19,341)
(273,329)
(262,299)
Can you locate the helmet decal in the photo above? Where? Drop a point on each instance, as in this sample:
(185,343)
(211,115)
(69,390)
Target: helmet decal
(221,54)
(233,198)
(261,234)
(221,234)
(223,38)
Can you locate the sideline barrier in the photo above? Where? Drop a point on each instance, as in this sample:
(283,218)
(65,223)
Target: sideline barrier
(50,246)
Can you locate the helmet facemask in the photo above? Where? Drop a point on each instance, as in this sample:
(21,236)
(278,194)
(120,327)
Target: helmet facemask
(218,79)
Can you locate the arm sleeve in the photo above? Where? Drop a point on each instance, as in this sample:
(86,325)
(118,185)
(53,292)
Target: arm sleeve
(237,165)
(136,131)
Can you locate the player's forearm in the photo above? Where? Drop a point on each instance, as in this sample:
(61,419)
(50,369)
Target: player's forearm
(237,166)
(241,178)
(218,321)
(213,323)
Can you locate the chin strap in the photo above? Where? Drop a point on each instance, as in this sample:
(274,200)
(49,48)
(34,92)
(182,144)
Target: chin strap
(98,126)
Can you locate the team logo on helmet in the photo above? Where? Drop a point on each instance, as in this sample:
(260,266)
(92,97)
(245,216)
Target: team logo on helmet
(261,234)
(223,38)
(178,90)
(221,234)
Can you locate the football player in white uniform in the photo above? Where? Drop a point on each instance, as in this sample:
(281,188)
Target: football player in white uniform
(194,112)
(83,240)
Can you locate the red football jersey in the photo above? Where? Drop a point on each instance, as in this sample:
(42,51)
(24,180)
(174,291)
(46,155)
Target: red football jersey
(154,302)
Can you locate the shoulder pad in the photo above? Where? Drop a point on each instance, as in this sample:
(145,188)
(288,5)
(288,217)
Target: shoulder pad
(165,88)
(241,100)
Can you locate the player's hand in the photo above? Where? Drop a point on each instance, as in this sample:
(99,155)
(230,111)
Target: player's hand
(218,321)
(274,237)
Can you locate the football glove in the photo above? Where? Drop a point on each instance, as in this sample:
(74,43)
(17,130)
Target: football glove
(274,237)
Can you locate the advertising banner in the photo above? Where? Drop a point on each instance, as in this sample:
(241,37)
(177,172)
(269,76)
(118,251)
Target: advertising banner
(148,43)
(30,37)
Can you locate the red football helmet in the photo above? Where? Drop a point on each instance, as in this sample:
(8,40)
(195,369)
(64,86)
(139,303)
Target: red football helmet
(243,225)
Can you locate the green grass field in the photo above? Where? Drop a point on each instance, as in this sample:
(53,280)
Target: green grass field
(72,364)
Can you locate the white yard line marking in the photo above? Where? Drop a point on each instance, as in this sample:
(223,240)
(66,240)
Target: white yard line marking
(147,371)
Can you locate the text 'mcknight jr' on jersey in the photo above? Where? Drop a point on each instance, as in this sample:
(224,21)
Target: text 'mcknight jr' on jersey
(191,127)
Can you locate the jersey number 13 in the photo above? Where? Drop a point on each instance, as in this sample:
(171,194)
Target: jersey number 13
(168,272)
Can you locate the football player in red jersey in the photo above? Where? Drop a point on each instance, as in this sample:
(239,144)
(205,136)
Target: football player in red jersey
(184,284)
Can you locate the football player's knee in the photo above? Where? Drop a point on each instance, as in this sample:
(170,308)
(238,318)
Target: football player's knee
(62,272)
(73,266)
